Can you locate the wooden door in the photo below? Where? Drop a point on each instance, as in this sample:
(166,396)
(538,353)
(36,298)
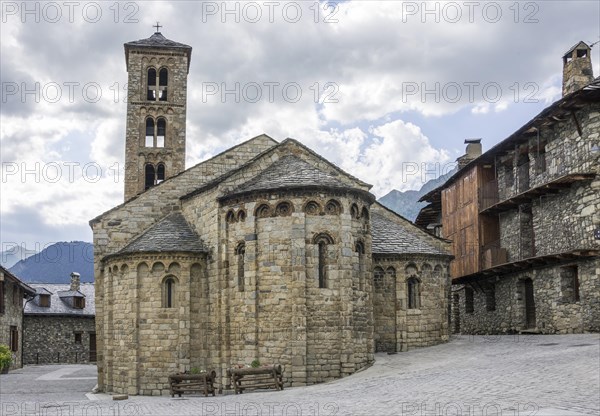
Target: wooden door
(529,304)
(92,347)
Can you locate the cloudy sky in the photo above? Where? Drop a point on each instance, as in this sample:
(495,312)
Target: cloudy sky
(386,90)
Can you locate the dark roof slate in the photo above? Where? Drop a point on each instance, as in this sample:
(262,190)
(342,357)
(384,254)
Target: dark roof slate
(58,306)
(390,237)
(172,233)
(158,40)
(289,172)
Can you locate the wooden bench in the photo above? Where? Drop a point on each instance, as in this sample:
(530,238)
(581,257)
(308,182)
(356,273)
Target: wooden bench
(202,383)
(270,377)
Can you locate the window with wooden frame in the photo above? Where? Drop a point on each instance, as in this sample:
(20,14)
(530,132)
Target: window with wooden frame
(78,302)
(44,301)
(14,338)
(16,294)
(78,336)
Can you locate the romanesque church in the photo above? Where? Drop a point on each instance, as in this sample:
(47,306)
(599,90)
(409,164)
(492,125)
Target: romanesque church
(266,252)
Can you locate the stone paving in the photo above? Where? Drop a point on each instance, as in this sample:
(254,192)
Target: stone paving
(526,375)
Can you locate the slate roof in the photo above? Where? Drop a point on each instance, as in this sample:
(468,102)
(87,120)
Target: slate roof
(59,306)
(157,39)
(70,293)
(390,237)
(289,172)
(172,233)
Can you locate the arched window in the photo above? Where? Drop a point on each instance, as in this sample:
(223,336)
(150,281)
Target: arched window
(241,216)
(160,173)
(150,174)
(151,93)
(360,251)
(169,292)
(230,217)
(364,214)
(161,132)
(378,275)
(240,252)
(156,133)
(322,241)
(413,293)
(149,132)
(163,80)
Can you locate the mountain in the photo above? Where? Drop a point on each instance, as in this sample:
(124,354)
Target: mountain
(13,254)
(55,263)
(406,203)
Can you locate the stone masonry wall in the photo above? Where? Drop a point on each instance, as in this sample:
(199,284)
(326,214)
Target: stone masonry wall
(407,328)
(12,316)
(556,310)
(51,339)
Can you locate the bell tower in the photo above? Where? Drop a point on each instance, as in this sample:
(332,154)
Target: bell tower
(156,111)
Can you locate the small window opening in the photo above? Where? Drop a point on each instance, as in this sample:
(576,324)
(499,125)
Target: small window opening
(161,132)
(240,253)
(413,293)
(163,81)
(160,173)
(469,308)
(77,337)
(151,95)
(149,133)
(149,176)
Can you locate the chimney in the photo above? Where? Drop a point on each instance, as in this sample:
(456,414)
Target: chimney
(472,152)
(577,68)
(74,281)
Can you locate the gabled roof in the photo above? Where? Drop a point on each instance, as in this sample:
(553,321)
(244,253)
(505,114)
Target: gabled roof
(287,142)
(27,289)
(157,40)
(70,294)
(196,167)
(400,236)
(58,306)
(170,234)
(547,117)
(288,172)
(576,46)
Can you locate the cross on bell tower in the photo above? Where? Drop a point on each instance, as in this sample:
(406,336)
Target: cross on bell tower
(156,111)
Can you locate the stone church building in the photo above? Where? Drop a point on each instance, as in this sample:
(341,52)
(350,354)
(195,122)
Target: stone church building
(264,252)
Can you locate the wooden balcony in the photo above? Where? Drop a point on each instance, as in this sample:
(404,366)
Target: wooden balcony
(553,186)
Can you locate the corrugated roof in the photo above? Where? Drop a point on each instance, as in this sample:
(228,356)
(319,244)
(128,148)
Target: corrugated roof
(59,306)
(172,233)
(390,237)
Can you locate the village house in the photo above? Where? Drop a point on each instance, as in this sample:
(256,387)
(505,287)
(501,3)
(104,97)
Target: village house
(524,219)
(264,253)
(12,293)
(59,323)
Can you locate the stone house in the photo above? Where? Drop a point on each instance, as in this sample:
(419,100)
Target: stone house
(12,293)
(524,219)
(59,323)
(265,252)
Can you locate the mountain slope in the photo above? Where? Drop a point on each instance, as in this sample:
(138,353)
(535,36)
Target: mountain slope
(13,254)
(55,263)
(406,203)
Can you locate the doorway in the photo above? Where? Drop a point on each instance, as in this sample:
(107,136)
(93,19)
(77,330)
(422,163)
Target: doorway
(93,347)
